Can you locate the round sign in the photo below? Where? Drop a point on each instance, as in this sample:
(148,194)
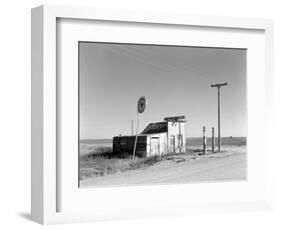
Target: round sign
(141,104)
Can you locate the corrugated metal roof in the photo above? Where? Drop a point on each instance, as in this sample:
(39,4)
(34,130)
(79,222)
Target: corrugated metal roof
(159,127)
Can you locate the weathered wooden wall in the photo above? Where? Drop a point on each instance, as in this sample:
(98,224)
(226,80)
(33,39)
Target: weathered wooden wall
(124,145)
(162,144)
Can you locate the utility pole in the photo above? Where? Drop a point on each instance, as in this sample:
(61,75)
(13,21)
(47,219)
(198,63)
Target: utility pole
(132,127)
(219,128)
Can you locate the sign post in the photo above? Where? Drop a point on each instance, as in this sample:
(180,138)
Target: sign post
(141,108)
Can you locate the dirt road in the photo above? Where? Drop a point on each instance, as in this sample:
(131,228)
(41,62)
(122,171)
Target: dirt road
(230,165)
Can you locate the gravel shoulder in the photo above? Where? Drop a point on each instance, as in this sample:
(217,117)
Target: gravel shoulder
(229,165)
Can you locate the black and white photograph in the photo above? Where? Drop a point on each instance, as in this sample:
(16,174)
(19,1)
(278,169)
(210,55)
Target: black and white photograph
(158,114)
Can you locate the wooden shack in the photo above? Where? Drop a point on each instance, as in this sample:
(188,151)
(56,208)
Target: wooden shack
(161,138)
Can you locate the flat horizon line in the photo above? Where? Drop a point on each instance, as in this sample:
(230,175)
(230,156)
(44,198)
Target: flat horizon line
(186,137)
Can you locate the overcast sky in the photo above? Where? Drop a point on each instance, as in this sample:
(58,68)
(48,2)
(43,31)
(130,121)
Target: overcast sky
(175,81)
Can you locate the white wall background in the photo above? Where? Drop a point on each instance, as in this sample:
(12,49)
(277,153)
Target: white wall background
(15,112)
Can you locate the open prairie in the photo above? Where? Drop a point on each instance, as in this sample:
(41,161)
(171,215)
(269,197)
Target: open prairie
(98,167)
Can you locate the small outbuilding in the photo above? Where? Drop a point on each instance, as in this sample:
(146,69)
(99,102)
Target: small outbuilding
(161,138)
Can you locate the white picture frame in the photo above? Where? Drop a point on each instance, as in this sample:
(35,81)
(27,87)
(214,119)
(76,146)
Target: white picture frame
(47,181)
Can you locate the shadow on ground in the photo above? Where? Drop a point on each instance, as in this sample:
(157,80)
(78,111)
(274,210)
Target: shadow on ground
(25,215)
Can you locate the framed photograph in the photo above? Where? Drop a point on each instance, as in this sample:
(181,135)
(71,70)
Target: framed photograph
(141,114)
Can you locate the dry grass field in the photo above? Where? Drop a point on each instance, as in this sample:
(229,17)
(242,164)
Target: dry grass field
(99,166)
